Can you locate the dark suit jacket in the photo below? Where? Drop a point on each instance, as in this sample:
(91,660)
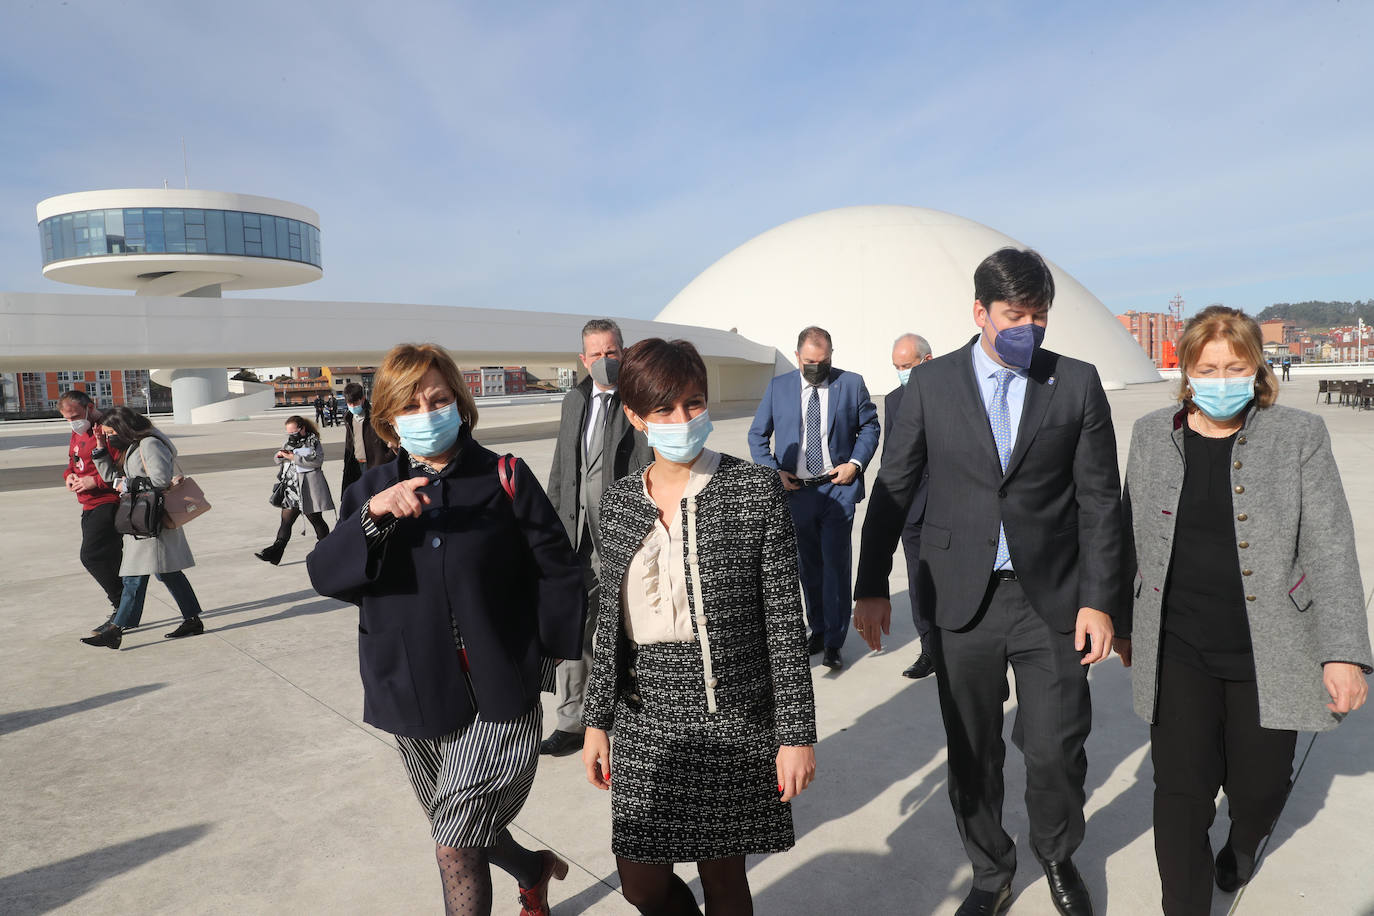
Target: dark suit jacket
(915,516)
(624,445)
(852,425)
(375,451)
(502,568)
(1059,497)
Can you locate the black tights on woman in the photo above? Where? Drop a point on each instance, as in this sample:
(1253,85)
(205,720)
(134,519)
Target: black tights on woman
(288,518)
(466,873)
(655,890)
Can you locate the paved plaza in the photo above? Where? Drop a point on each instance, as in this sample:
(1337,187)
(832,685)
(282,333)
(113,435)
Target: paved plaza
(231,773)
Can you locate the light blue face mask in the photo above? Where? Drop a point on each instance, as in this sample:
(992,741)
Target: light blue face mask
(429,434)
(356,409)
(1222,398)
(680,443)
(902,376)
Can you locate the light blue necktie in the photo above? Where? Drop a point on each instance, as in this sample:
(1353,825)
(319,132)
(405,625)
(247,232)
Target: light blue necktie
(815,463)
(999,415)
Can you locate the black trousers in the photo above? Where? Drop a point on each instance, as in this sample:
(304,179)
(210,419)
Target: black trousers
(102,550)
(1053,718)
(1207,735)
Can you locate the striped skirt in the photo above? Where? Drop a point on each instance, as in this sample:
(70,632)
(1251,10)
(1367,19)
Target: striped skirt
(473,782)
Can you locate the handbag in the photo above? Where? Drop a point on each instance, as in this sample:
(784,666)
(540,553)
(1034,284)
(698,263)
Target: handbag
(278,497)
(140,509)
(183,502)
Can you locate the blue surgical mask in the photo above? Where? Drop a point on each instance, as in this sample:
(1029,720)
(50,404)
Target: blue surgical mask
(1222,398)
(429,434)
(679,443)
(1017,345)
(902,376)
(356,409)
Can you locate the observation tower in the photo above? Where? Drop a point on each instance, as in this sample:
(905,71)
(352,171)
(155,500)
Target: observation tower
(173,242)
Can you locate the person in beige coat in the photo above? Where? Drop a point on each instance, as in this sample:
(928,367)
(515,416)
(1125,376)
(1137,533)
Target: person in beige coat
(129,446)
(1247,616)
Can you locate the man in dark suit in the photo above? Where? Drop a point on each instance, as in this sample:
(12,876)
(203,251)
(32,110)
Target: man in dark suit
(1018,559)
(596,447)
(824,431)
(908,352)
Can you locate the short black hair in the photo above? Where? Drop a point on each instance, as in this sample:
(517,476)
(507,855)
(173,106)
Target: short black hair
(656,373)
(353,392)
(815,335)
(1014,275)
(76,396)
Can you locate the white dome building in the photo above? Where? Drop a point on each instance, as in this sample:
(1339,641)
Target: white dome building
(868,274)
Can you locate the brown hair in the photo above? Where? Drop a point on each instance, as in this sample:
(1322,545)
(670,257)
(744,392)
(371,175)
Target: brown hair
(77,397)
(815,335)
(399,376)
(1217,322)
(655,373)
(303,423)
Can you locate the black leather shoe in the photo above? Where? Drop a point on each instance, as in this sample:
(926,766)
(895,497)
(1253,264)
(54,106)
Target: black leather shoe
(189,627)
(1234,871)
(985,903)
(922,667)
(1067,890)
(561,744)
(816,644)
(110,639)
(832,659)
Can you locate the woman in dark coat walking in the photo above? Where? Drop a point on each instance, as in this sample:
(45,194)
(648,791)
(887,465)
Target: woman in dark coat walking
(301,487)
(468,588)
(700,660)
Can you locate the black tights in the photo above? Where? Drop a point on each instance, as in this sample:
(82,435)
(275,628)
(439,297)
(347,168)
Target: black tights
(655,890)
(466,873)
(288,518)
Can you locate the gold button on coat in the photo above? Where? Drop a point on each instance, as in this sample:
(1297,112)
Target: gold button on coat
(1242,517)
(1241,440)
(1249,597)
(1239,488)
(1247,572)
(1236,465)
(1244,544)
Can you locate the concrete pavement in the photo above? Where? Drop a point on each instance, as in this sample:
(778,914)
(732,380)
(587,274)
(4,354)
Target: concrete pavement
(231,773)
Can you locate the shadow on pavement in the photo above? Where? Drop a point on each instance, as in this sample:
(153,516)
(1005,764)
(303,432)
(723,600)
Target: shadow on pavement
(47,887)
(11,722)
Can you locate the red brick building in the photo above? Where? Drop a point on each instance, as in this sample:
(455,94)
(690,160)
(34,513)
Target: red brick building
(1156,332)
(38,391)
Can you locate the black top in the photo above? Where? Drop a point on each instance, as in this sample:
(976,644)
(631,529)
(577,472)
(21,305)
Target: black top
(1204,601)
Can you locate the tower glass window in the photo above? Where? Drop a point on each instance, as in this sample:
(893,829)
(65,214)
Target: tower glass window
(171,230)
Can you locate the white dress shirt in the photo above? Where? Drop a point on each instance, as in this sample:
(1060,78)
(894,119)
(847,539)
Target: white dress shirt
(593,409)
(824,390)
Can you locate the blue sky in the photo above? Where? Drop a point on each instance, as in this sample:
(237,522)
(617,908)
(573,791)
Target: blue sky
(595,157)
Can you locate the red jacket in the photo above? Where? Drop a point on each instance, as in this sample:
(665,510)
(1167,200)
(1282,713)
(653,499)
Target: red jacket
(79,463)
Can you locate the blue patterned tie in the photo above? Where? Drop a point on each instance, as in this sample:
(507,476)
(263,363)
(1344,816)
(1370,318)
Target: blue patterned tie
(814,462)
(999,415)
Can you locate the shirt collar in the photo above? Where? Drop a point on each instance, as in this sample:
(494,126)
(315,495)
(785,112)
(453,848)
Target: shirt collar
(985,366)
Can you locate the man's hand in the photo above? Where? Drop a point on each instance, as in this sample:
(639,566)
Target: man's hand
(1122,646)
(796,769)
(404,500)
(1094,633)
(872,619)
(844,474)
(1346,684)
(83,484)
(789,481)
(71,481)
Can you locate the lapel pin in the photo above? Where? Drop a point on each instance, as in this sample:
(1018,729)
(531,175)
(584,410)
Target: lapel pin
(1050,381)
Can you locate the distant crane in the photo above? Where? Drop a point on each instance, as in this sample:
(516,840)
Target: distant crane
(1176,307)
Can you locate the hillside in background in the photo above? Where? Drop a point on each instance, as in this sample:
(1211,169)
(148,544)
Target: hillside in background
(1320,314)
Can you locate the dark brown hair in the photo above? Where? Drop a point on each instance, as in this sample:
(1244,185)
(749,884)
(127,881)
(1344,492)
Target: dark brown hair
(1217,322)
(656,373)
(303,424)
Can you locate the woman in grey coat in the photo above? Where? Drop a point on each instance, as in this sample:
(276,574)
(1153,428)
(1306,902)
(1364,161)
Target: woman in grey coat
(129,446)
(303,489)
(1248,614)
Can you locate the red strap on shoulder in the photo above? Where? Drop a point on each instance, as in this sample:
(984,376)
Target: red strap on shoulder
(505,471)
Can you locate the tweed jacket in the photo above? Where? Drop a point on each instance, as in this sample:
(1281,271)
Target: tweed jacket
(749,620)
(153,457)
(1296,546)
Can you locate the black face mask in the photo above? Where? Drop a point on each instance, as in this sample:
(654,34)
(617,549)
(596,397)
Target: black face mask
(117,443)
(815,373)
(295,440)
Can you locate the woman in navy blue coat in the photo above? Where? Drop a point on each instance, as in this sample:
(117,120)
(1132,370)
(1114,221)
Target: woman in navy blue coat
(468,588)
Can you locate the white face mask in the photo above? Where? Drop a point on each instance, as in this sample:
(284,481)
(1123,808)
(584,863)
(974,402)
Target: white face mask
(80,426)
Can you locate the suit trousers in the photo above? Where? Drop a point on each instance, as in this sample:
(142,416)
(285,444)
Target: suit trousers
(920,616)
(1207,735)
(102,550)
(825,523)
(571,676)
(1053,718)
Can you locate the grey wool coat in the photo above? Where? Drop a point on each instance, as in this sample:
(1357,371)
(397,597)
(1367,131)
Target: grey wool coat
(152,457)
(305,464)
(1296,546)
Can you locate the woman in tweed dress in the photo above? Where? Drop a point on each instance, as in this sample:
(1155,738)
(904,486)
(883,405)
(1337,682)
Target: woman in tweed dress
(1249,621)
(700,660)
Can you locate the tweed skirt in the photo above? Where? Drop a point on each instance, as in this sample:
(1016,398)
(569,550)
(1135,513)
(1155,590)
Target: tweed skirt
(688,785)
(473,782)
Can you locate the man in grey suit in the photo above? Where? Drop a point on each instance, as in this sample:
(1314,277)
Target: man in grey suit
(596,446)
(1019,561)
(908,352)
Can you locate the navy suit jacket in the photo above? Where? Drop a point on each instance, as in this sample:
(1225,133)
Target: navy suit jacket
(850,414)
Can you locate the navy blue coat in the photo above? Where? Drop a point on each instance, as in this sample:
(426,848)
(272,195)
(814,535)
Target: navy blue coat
(504,570)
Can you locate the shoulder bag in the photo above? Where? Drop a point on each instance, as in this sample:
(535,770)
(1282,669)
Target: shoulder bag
(139,513)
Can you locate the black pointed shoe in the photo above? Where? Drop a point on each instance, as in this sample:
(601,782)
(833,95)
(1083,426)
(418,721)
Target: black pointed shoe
(561,743)
(1067,890)
(985,903)
(1234,871)
(191,626)
(924,666)
(110,639)
(832,659)
(273,553)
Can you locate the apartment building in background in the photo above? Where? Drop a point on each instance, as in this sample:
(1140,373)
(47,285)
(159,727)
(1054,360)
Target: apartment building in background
(1157,333)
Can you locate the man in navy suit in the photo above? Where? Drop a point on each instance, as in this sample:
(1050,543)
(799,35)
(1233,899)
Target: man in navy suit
(824,431)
